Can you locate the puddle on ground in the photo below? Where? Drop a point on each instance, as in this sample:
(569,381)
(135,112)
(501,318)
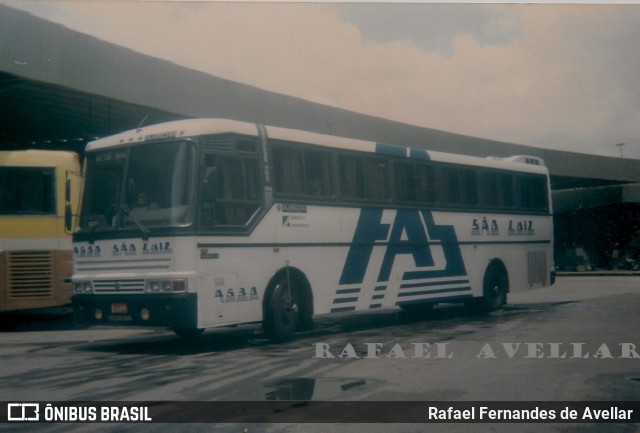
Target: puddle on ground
(306,388)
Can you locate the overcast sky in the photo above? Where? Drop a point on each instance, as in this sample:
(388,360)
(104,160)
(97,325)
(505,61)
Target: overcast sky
(556,76)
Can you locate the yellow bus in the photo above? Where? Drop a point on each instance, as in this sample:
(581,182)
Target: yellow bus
(36,186)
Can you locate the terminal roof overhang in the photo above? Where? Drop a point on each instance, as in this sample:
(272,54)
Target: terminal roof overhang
(585,199)
(60,88)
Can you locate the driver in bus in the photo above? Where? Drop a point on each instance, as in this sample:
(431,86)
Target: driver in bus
(143,200)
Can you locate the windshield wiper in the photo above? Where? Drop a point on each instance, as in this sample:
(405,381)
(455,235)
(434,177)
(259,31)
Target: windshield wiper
(145,231)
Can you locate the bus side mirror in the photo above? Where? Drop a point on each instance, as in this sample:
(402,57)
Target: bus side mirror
(67,191)
(68,218)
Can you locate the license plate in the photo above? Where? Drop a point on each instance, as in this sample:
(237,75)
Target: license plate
(119,308)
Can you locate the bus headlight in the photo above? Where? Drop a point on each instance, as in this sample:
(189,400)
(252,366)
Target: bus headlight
(145,314)
(166,286)
(82,287)
(153,286)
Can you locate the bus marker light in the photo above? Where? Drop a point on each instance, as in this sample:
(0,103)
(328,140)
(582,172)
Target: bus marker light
(179,285)
(145,314)
(98,314)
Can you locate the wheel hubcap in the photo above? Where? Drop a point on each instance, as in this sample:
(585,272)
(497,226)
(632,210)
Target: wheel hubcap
(288,309)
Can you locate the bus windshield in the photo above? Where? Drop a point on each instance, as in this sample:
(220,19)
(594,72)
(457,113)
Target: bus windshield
(148,185)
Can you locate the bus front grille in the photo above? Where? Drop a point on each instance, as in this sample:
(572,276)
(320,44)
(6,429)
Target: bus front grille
(30,274)
(119,286)
(129,264)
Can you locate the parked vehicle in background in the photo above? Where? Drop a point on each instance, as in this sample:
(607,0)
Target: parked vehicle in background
(36,188)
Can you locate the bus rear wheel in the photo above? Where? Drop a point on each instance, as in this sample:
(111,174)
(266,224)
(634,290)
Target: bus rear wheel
(496,286)
(494,291)
(282,311)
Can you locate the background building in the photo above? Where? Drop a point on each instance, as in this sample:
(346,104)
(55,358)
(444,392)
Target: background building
(60,89)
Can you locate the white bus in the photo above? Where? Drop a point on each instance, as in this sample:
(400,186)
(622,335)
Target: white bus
(203,223)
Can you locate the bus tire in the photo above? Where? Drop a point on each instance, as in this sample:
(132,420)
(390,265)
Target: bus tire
(284,308)
(188,333)
(495,286)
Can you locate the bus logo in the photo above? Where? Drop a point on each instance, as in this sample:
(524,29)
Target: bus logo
(411,233)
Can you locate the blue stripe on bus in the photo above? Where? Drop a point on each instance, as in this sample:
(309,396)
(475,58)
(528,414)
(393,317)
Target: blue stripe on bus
(342,309)
(344,300)
(434,283)
(419,154)
(343,291)
(391,149)
(425,275)
(369,230)
(431,292)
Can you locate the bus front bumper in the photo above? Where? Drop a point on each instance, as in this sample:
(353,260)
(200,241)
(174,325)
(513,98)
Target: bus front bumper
(166,310)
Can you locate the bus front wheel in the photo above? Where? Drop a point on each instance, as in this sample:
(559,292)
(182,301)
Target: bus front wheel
(282,311)
(188,333)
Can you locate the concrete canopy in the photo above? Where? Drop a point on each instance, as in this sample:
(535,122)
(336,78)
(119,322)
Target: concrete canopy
(574,199)
(57,84)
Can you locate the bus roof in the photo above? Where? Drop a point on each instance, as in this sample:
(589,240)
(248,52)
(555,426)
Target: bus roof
(195,127)
(175,129)
(38,158)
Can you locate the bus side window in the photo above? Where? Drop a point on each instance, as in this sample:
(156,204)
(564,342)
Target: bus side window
(351,174)
(376,179)
(469,187)
(489,189)
(318,173)
(209,191)
(451,179)
(237,186)
(364,178)
(506,191)
(288,170)
(405,182)
(533,193)
(426,183)
(301,172)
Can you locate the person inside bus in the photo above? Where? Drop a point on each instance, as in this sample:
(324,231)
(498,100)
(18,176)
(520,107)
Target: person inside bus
(144,201)
(314,187)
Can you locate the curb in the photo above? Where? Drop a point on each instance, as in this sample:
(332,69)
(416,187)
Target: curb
(599,274)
